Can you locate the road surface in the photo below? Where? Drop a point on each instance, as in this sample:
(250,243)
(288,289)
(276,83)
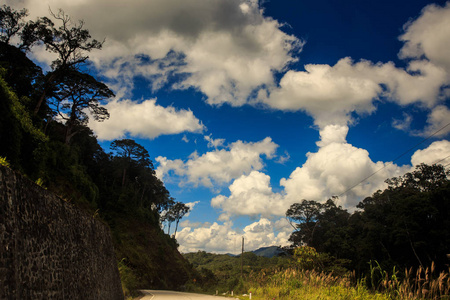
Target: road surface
(169,295)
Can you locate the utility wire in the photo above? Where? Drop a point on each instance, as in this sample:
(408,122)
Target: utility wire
(441,160)
(398,157)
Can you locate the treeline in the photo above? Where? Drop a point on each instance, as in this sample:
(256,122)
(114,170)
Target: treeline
(405,226)
(44,135)
(223,272)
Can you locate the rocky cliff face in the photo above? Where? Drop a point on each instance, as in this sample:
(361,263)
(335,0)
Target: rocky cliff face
(50,249)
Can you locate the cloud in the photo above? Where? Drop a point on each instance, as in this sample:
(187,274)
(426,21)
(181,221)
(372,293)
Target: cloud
(214,143)
(187,223)
(331,94)
(332,134)
(218,166)
(223,238)
(191,206)
(265,233)
(283,158)
(429,36)
(145,119)
(228,66)
(332,170)
(216,238)
(251,195)
(403,124)
(224,48)
(229,50)
(336,167)
(437,152)
(438,122)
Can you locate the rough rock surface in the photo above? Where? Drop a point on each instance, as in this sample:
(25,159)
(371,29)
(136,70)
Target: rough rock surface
(50,249)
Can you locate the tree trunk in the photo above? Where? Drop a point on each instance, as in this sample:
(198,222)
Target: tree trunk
(176,227)
(44,93)
(123,176)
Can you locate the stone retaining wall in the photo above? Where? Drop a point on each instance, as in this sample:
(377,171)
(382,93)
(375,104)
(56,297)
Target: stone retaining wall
(50,249)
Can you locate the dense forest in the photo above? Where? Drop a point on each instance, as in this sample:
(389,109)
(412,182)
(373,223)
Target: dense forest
(44,135)
(406,225)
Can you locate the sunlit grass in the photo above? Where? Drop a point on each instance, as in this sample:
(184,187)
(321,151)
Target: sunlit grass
(295,284)
(301,284)
(421,284)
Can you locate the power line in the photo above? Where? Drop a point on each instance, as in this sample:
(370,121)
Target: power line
(398,157)
(441,160)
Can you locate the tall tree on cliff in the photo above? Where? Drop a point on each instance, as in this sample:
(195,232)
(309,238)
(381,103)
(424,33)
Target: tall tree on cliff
(179,210)
(69,91)
(22,75)
(70,41)
(76,93)
(129,151)
(11,22)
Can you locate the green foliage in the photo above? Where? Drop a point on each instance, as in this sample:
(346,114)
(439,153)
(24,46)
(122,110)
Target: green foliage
(120,189)
(40,182)
(11,22)
(406,225)
(18,134)
(76,93)
(223,272)
(306,284)
(307,258)
(176,211)
(4,162)
(128,279)
(150,255)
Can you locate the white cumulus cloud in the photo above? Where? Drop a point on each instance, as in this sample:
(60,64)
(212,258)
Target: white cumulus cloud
(332,170)
(145,119)
(219,166)
(429,35)
(437,152)
(224,48)
(223,238)
(336,167)
(331,94)
(438,122)
(251,195)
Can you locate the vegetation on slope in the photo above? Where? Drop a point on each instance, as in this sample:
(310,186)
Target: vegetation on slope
(44,135)
(223,272)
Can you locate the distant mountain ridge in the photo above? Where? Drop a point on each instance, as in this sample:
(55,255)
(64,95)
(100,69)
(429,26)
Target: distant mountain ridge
(269,252)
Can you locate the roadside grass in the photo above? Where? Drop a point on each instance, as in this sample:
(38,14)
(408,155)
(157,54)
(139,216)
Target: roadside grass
(301,284)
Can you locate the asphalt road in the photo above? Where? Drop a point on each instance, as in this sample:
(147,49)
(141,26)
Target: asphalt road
(169,295)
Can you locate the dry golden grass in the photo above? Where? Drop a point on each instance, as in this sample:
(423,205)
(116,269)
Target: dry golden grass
(424,285)
(303,284)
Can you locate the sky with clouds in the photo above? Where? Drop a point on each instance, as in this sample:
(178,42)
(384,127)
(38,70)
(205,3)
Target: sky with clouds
(248,106)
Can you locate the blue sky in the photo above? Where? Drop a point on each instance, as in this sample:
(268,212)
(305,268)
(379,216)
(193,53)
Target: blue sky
(249,106)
